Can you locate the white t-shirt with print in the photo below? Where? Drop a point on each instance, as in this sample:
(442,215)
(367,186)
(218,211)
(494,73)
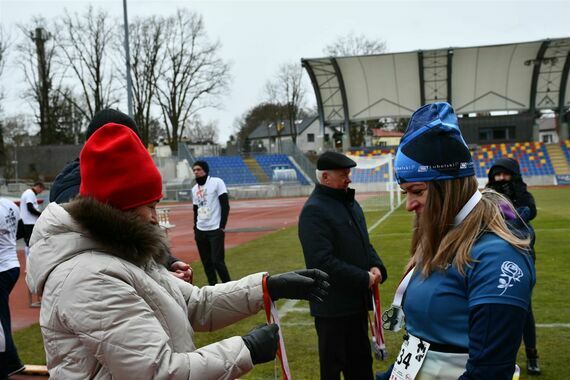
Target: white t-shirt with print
(28,196)
(206,198)
(9,216)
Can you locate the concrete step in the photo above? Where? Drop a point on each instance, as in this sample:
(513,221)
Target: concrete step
(558,159)
(256,170)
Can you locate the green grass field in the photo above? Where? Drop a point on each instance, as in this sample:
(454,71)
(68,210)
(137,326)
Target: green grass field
(281,251)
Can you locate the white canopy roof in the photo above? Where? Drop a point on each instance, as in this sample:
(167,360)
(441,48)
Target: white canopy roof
(526,77)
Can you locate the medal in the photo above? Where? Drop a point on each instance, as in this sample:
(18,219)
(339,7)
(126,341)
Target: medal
(393,318)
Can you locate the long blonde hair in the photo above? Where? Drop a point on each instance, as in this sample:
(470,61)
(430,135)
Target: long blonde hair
(436,243)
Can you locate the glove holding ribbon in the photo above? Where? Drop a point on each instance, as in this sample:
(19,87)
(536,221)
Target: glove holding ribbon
(304,284)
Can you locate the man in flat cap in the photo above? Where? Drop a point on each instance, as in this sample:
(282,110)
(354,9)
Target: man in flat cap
(333,233)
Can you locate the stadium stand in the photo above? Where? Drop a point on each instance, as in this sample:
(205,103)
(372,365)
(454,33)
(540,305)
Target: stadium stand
(379,174)
(565,145)
(231,169)
(269,161)
(532,157)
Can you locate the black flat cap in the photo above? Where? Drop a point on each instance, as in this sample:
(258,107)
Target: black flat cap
(334,160)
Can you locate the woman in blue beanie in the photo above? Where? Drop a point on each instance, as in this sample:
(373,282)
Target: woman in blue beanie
(469,282)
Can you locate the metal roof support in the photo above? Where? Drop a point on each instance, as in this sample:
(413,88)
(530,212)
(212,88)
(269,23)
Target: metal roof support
(315,84)
(449,66)
(535,73)
(342,94)
(421,67)
(563,81)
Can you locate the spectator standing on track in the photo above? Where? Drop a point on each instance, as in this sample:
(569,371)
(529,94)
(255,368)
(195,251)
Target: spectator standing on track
(67,183)
(211,211)
(333,233)
(30,211)
(505,178)
(109,310)
(10,362)
(470,278)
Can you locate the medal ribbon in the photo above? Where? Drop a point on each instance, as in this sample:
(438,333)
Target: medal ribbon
(376,328)
(273,317)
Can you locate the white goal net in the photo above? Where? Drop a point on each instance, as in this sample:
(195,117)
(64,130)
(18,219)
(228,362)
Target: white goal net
(374,177)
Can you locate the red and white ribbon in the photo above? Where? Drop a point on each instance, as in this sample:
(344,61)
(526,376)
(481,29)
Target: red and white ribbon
(273,317)
(376,327)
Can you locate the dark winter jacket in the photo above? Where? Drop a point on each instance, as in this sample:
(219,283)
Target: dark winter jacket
(66,184)
(516,191)
(333,233)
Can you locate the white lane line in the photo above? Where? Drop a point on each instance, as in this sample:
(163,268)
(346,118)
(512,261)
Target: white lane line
(383,218)
(553,325)
(287,307)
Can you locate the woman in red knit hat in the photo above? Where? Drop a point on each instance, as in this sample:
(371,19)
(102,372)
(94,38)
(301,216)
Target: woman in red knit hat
(109,309)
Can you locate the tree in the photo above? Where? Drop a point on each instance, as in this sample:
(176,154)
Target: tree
(288,90)
(147,57)
(3,50)
(85,42)
(352,44)
(193,75)
(37,57)
(15,132)
(262,113)
(201,132)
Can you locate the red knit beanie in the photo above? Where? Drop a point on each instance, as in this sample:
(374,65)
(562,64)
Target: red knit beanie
(117,169)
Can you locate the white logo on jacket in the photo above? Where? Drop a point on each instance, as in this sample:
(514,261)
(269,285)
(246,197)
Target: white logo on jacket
(513,274)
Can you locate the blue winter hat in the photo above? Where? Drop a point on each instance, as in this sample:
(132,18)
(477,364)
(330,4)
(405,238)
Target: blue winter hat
(432,148)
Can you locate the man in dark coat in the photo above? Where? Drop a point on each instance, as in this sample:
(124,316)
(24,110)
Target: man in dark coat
(505,178)
(66,184)
(333,233)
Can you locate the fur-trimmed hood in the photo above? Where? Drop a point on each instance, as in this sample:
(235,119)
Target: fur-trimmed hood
(65,231)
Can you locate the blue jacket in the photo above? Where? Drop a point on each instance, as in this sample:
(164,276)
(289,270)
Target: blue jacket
(66,185)
(333,233)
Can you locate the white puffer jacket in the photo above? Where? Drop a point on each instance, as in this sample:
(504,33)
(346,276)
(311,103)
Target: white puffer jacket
(109,311)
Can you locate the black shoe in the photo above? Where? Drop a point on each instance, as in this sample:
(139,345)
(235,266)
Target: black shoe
(532,367)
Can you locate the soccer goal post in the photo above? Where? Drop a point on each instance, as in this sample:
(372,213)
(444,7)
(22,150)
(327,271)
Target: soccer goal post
(373,178)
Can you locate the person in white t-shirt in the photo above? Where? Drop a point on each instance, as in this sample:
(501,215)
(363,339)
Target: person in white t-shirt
(211,211)
(10,362)
(30,210)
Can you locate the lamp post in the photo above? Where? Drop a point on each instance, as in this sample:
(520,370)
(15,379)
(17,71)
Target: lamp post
(128,61)
(269,137)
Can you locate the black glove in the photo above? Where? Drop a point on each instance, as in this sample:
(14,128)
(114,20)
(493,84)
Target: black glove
(304,284)
(262,343)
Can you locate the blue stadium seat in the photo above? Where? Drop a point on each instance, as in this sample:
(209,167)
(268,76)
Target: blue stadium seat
(267,161)
(231,169)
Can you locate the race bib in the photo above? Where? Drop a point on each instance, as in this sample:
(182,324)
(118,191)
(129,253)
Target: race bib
(410,359)
(204,213)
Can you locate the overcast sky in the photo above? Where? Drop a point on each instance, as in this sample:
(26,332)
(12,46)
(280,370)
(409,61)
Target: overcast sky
(258,36)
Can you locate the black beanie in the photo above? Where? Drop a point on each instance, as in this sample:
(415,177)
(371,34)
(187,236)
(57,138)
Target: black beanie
(204,165)
(107,116)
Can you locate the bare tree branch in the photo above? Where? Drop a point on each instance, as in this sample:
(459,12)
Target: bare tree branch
(147,59)
(86,45)
(288,90)
(352,44)
(193,75)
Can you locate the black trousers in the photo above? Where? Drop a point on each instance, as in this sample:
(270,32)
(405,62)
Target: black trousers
(9,360)
(212,253)
(28,229)
(344,347)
